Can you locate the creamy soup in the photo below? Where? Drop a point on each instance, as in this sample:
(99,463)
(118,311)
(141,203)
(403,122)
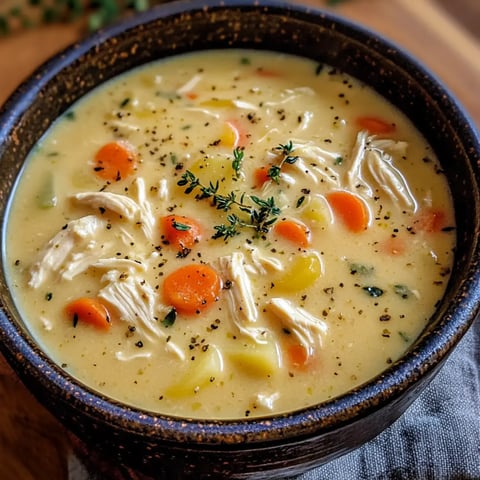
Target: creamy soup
(229,234)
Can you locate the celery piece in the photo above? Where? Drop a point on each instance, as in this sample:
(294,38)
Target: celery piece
(46,197)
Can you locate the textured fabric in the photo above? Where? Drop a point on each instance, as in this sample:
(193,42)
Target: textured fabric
(438,437)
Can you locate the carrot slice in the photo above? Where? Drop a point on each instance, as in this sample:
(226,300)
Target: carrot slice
(192,289)
(181,232)
(115,161)
(261,176)
(430,220)
(294,231)
(375,125)
(298,355)
(89,310)
(350,208)
(393,246)
(265,72)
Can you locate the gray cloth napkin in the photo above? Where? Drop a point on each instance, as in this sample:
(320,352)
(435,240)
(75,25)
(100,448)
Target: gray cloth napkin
(438,437)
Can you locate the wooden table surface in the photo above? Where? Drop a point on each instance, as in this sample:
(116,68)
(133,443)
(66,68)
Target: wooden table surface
(33,446)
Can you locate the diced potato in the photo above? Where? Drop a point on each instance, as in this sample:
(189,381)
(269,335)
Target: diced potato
(316,211)
(203,371)
(230,136)
(301,273)
(215,168)
(257,359)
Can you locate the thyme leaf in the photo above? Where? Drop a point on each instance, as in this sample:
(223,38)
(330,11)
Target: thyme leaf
(260,215)
(170,318)
(274,172)
(180,226)
(237,160)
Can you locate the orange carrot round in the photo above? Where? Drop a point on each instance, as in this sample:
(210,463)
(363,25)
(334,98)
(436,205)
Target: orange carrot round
(89,310)
(181,232)
(297,355)
(350,208)
(375,125)
(294,231)
(192,289)
(393,246)
(430,220)
(261,176)
(115,161)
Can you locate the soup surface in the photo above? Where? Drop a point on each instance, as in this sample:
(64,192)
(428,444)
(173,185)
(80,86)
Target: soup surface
(228,234)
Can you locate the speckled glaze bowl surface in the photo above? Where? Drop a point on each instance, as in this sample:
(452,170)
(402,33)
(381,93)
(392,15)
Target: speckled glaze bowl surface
(278,446)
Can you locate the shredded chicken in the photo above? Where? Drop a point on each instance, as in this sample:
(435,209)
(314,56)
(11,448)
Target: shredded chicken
(309,329)
(120,204)
(135,300)
(371,156)
(81,261)
(318,162)
(241,288)
(145,214)
(120,264)
(266,401)
(263,263)
(241,299)
(68,245)
(139,211)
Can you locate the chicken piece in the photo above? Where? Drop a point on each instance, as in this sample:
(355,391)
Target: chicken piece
(120,204)
(241,288)
(264,263)
(309,329)
(145,215)
(241,300)
(134,299)
(77,239)
(373,156)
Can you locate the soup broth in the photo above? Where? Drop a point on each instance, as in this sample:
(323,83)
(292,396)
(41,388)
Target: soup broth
(228,234)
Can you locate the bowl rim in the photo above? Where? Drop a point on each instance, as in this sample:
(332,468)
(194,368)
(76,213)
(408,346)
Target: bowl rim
(337,412)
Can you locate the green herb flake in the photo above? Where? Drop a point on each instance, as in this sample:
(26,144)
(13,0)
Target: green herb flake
(286,151)
(124,102)
(402,291)
(404,336)
(245,61)
(170,318)
(70,115)
(338,161)
(361,269)
(48,296)
(181,227)
(300,201)
(374,292)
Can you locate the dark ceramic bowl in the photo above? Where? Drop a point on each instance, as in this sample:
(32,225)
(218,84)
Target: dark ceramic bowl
(283,445)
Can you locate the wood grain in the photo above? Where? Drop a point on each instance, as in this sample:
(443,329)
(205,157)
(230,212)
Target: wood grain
(33,446)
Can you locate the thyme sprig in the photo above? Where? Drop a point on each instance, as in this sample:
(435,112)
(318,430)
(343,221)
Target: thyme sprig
(286,151)
(237,161)
(260,214)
